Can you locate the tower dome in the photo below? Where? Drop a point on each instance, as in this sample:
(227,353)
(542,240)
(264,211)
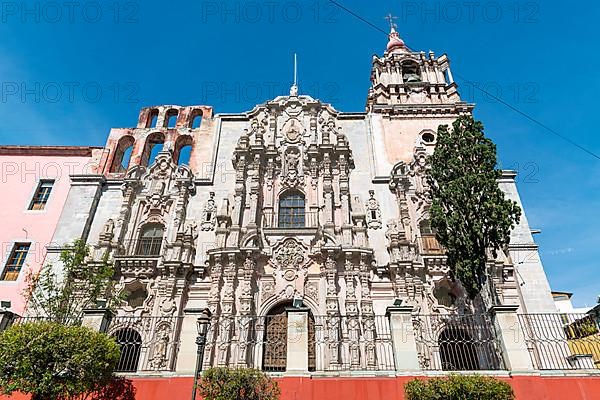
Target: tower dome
(395,43)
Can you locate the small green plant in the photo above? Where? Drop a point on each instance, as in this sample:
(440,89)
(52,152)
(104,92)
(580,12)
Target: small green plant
(52,361)
(237,384)
(459,387)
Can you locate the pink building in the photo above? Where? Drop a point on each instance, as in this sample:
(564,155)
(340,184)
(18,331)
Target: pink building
(34,182)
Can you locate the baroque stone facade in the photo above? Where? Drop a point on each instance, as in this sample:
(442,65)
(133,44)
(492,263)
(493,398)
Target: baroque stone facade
(293,201)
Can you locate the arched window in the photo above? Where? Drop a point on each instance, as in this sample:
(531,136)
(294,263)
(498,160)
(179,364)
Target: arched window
(150,241)
(122,156)
(411,72)
(183,150)
(172,118)
(291,210)
(130,343)
(196,119)
(154,145)
(152,119)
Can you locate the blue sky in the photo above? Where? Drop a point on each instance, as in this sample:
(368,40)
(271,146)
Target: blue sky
(70,73)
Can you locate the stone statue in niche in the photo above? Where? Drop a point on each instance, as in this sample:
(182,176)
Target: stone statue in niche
(108,230)
(373,212)
(159,359)
(191,228)
(209,214)
(293,177)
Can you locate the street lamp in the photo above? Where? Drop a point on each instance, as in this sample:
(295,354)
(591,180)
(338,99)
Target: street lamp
(202,325)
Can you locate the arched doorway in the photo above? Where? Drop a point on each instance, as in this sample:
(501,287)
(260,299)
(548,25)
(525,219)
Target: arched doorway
(457,350)
(275,339)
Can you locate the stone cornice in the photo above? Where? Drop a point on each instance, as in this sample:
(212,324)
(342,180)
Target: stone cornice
(433,110)
(87,179)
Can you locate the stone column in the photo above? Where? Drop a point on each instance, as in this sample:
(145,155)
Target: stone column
(97,319)
(403,338)
(6,319)
(297,340)
(186,356)
(512,338)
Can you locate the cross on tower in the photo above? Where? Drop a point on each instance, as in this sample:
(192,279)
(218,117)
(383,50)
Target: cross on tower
(391,19)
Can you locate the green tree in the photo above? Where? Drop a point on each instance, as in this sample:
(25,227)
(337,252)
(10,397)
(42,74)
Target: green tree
(61,296)
(237,384)
(469,213)
(52,361)
(459,387)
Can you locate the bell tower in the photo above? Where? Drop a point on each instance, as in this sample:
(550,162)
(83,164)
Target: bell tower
(406,77)
(411,95)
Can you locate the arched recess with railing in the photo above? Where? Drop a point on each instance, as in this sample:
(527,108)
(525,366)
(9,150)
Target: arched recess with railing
(292,209)
(130,344)
(149,242)
(458,351)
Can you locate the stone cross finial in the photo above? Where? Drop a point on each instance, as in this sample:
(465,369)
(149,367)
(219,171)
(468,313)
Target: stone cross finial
(391,19)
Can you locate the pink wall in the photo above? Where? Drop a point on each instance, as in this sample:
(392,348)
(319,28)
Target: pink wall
(21,169)
(307,388)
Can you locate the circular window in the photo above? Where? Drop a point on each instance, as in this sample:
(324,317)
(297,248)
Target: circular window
(428,137)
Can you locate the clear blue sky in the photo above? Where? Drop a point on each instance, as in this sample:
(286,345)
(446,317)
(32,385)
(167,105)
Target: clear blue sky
(541,57)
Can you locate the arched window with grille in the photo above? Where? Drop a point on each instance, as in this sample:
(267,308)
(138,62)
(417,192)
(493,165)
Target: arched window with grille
(130,343)
(150,241)
(292,210)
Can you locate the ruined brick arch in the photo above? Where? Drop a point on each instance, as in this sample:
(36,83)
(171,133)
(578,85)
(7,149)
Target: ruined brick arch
(171,116)
(153,139)
(152,118)
(181,143)
(124,149)
(195,119)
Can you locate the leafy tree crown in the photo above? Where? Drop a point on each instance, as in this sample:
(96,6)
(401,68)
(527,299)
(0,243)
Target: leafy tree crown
(469,212)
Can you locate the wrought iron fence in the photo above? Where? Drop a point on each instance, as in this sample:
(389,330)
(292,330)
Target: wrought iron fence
(457,342)
(73,321)
(353,343)
(347,343)
(562,341)
(147,343)
(247,341)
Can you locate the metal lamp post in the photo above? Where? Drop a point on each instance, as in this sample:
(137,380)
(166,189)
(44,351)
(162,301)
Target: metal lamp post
(202,325)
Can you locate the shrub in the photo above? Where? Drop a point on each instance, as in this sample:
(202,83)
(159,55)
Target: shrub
(237,384)
(459,387)
(54,361)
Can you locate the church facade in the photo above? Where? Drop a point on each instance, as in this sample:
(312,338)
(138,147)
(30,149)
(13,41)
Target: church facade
(294,204)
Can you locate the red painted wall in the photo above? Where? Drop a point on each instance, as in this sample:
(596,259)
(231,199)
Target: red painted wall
(298,388)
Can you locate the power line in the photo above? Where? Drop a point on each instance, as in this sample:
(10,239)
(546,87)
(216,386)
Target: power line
(510,106)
